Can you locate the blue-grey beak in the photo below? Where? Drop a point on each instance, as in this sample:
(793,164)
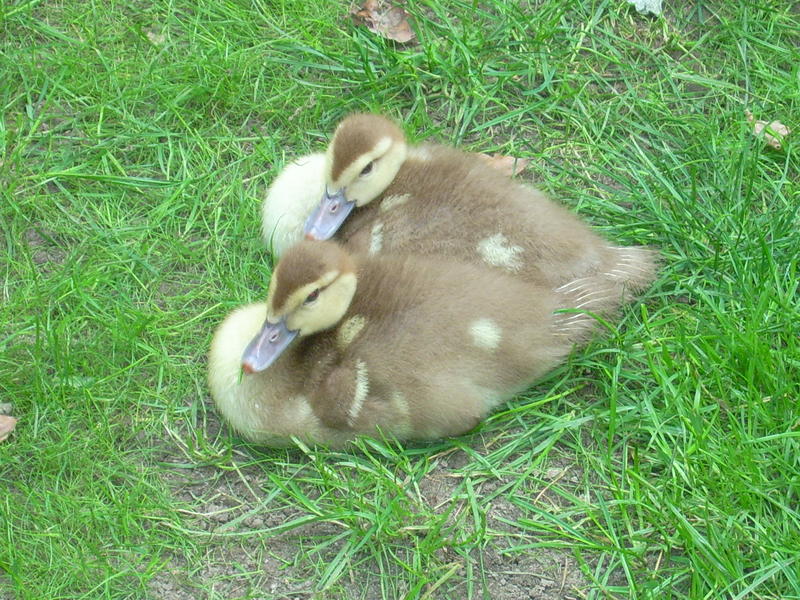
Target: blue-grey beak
(328,216)
(267,346)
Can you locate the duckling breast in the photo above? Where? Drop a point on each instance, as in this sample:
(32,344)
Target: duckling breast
(293,195)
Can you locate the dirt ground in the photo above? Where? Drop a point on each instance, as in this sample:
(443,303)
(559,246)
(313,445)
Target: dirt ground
(225,502)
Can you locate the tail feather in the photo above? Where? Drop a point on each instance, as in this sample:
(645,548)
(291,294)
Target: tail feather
(634,267)
(627,272)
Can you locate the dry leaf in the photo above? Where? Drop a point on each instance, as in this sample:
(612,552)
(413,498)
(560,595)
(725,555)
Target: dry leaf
(385,19)
(7,425)
(508,165)
(774,132)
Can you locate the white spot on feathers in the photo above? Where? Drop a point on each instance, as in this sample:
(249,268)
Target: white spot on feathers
(376,240)
(497,251)
(362,390)
(349,330)
(486,334)
(393,201)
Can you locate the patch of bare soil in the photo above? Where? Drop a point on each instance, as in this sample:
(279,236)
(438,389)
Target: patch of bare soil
(512,574)
(535,574)
(278,566)
(5,584)
(256,566)
(44,252)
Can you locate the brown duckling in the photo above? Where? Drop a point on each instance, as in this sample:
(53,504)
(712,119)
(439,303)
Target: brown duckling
(415,347)
(437,200)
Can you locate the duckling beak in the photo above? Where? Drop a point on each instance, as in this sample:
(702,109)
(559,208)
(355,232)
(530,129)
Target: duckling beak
(267,346)
(328,216)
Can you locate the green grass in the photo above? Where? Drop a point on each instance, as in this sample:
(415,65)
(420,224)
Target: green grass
(663,461)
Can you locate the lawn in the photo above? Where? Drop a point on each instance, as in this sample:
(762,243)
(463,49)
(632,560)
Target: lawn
(136,143)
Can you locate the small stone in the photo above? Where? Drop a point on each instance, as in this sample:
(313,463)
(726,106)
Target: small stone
(553,473)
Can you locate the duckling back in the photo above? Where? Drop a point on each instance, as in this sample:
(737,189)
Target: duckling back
(448,203)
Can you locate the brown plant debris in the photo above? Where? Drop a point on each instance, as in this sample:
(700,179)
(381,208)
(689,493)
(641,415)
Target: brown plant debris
(774,132)
(7,425)
(385,19)
(508,165)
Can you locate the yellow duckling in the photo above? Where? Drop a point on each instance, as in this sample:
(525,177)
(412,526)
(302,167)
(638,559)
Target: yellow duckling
(270,407)
(414,347)
(291,197)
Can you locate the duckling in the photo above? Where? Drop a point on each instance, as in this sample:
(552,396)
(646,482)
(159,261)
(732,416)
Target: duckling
(293,195)
(413,347)
(270,407)
(437,200)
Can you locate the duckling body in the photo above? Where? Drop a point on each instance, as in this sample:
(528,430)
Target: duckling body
(420,348)
(291,197)
(437,200)
(412,337)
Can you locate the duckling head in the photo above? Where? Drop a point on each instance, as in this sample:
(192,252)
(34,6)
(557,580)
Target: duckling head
(311,289)
(363,158)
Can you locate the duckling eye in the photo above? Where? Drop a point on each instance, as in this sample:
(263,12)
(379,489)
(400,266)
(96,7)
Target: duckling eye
(311,297)
(368,169)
